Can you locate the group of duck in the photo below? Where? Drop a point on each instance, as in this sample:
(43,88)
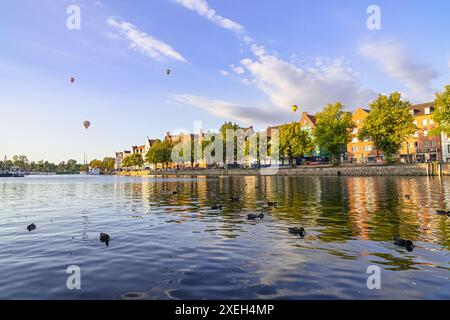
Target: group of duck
(408,244)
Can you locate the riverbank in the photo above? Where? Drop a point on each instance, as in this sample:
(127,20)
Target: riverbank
(345,170)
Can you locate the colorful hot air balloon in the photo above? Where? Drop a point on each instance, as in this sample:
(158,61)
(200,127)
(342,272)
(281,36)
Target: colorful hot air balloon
(86,124)
(294,108)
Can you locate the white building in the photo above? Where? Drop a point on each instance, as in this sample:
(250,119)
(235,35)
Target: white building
(445,139)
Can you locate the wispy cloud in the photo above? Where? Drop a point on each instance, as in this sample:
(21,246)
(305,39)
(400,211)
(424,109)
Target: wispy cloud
(310,86)
(228,110)
(395,61)
(286,82)
(142,42)
(203,9)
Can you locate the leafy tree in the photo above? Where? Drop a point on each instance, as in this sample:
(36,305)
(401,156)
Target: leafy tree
(388,124)
(20,162)
(108,164)
(333,126)
(441,113)
(160,152)
(96,164)
(295,142)
(223,133)
(134,160)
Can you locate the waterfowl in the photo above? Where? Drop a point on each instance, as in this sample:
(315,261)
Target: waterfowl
(31,227)
(252,216)
(298,231)
(216,207)
(235,199)
(443,213)
(272,203)
(404,243)
(105,238)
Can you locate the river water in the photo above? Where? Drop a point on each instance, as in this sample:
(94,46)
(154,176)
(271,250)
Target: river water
(173,246)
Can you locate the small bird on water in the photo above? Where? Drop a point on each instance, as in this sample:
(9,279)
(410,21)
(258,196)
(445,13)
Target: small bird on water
(443,213)
(252,216)
(298,231)
(217,207)
(105,238)
(31,227)
(272,203)
(404,243)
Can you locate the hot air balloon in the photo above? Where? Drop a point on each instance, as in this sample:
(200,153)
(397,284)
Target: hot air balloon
(72,80)
(294,108)
(86,124)
(168,72)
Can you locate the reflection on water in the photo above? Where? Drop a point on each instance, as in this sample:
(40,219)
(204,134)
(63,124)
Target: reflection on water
(167,242)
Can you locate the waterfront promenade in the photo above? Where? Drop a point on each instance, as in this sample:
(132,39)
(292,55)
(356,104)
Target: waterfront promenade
(423,169)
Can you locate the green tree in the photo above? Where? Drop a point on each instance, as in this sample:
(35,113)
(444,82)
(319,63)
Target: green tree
(96,164)
(20,162)
(441,115)
(108,164)
(160,152)
(134,160)
(388,124)
(223,134)
(295,142)
(333,129)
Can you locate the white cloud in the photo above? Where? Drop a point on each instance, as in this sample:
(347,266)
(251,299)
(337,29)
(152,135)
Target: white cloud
(229,110)
(203,9)
(285,83)
(311,87)
(224,73)
(142,42)
(237,69)
(395,61)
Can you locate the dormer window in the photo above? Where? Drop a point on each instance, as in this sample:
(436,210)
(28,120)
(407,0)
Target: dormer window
(427,110)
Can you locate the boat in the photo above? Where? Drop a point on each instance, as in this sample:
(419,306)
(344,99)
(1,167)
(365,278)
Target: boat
(13,173)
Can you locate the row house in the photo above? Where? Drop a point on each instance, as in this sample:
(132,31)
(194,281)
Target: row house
(120,155)
(361,151)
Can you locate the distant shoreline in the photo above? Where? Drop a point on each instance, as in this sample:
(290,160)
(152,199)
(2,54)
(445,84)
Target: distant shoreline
(422,169)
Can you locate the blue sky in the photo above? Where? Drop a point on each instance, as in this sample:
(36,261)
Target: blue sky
(247,61)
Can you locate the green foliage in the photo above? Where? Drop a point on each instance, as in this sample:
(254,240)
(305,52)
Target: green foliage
(333,129)
(133,160)
(388,124)
(160,152)
(441,115)
(108,164)
(295,142)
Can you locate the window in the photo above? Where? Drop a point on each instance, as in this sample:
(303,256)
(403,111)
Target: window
(357,121)
(448,148)
(368,148)
(355,131)
(416,144)
(415,122)
(425,122)
(426,143)
(427,110)
(355,140)
(416,134)
(432,143)
(425,133)
(431,121)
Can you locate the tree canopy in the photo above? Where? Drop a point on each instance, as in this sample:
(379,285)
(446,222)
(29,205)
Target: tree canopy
(295,142)
(333,129)
(388,124)
(441,114)
(160,152)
